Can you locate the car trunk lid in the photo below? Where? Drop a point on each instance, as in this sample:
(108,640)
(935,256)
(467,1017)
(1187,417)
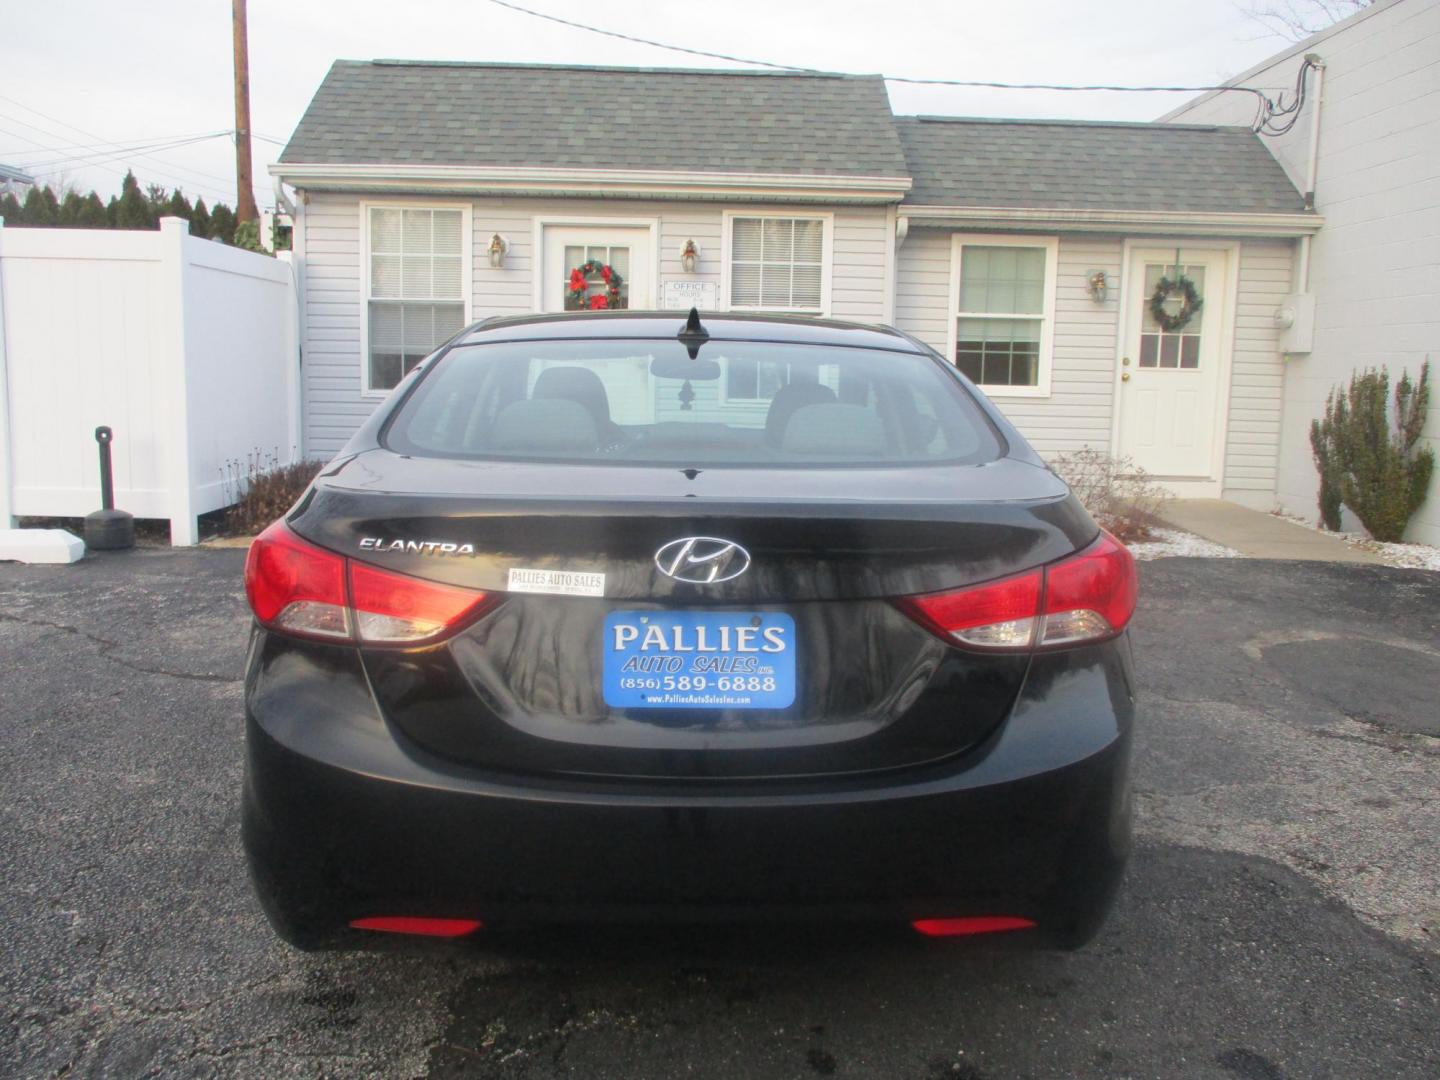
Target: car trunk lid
(524,688)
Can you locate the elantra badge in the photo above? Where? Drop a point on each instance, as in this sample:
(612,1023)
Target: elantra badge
(702,560)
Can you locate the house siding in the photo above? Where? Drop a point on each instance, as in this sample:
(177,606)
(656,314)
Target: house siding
(333,407)
(1079,412)
(1257,374)
(329,243)
(1375,266)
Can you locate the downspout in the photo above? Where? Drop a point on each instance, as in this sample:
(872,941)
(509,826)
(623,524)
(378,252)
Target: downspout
(7,478)
(296,209)
(1303,271)
(892,264)
(283,200)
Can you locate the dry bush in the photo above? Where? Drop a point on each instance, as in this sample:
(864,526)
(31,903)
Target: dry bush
(1119,494)
(263,490)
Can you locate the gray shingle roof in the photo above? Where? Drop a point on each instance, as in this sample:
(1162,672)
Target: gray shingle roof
(1079,165)
(401,112)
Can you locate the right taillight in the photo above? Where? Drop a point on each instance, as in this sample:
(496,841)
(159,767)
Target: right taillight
(1089,596)
(298,588)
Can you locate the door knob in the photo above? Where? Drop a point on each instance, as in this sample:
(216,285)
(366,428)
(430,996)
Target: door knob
(1125,377)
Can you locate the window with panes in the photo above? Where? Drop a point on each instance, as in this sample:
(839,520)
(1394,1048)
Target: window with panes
(1177,349)
(1000,325)
(777,264)
(415,287)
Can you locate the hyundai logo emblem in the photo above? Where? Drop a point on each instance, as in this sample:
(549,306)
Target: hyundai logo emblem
(702,560)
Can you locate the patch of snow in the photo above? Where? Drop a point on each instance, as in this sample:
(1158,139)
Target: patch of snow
(1164,543)
(1405,556)
(1409,556)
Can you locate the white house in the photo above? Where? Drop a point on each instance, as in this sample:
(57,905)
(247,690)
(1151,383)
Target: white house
(429,195)
(1367,144)
(14,181)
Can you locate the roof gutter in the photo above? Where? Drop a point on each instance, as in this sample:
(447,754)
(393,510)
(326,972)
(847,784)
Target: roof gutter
(647,183)
(1134,222)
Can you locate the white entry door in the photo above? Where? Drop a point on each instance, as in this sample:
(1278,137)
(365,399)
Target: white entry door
(627,251)
(1170,389)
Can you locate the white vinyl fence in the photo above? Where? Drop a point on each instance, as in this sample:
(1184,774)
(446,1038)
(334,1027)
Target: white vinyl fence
(186,348)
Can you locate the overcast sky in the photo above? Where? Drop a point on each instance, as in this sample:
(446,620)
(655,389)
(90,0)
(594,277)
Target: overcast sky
(143,72)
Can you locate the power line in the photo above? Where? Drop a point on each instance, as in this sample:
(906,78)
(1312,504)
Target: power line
(180,180)
(101,160)
(646,41)
(1280,118)
(107,151)
(97,147)
(1265,107)
(104,168)
(122,153)
(98,158)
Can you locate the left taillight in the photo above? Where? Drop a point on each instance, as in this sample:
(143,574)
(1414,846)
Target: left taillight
(1087,597)
(298,588)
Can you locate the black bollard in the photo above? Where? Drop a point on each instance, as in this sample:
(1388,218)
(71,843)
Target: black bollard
(108,529)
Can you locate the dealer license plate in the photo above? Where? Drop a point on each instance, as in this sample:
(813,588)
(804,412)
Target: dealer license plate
(699,660)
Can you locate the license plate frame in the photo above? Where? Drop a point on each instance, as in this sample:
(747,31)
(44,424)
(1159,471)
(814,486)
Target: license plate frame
(699,659)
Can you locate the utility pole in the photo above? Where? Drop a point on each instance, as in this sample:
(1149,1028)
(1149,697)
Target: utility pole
(245,194)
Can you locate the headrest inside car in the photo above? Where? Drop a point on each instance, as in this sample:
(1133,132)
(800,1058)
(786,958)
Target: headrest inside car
(574,384)
(848,431)
(544,427)
(787,400)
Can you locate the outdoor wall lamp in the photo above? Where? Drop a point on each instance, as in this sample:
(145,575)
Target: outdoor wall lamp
(689,256)
(1097,286)
(497,249)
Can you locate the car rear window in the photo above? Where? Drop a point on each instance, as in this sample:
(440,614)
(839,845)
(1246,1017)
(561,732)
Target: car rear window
(741,403)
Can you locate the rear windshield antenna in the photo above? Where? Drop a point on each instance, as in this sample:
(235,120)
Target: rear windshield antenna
(693,335)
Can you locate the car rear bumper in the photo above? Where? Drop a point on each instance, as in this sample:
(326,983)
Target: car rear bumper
(345,819)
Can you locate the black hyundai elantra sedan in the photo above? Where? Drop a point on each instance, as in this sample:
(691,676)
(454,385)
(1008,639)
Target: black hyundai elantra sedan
(629,617)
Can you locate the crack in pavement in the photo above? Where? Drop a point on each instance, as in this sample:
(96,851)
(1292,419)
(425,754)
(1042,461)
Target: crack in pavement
(106,648)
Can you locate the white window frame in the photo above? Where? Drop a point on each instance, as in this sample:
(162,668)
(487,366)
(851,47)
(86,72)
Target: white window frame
(827,256)
(725,398)
(467,268)
(1044,362)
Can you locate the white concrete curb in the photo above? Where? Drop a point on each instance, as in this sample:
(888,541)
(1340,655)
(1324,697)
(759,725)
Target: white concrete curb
(40,546)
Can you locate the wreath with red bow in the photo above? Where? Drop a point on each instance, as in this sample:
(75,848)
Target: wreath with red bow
(576,297)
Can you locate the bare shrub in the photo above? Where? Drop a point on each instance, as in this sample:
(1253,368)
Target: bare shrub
(1119,494)
(263,489)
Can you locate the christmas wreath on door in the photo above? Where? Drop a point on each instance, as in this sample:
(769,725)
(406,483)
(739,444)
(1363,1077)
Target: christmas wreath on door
(577,296)
(1190,302)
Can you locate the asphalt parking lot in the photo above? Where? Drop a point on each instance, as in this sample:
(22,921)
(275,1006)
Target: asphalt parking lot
(1281,917)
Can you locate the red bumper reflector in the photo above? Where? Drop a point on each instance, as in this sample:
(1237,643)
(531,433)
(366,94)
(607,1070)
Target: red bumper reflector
(975,924)
(412,924)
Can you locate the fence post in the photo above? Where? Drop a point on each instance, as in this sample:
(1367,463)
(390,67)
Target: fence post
(184,529)
(7,479)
